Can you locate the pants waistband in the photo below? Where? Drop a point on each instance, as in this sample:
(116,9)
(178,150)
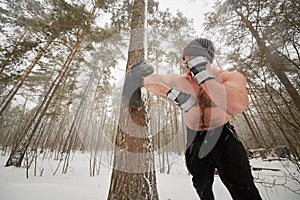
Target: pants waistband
(226,125)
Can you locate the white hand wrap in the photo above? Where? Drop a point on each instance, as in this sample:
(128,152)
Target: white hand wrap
(185,101)
(198,69)
(203,76)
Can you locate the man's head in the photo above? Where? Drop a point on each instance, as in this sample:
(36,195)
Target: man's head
(200,47)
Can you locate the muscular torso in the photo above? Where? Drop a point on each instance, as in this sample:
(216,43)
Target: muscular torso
(205,115)
(227,89)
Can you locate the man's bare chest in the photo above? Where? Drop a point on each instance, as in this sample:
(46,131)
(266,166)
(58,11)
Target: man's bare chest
(203,99)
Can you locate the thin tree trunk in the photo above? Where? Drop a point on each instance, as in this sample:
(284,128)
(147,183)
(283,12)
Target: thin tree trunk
(11,51)
(252,130)
(25,74)
(17,155)
(273,60)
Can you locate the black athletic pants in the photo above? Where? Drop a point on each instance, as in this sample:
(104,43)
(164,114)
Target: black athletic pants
(228,156)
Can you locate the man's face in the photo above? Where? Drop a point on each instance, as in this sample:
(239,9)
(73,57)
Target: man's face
(185,60)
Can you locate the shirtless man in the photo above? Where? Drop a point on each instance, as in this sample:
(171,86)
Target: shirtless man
(207,96)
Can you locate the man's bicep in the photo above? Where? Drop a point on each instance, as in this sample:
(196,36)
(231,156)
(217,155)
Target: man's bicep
(237,95)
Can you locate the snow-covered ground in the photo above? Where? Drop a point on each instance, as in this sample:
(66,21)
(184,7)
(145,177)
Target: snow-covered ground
(78,185)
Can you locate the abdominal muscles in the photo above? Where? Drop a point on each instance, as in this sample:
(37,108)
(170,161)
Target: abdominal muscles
(205,115)
(205,118)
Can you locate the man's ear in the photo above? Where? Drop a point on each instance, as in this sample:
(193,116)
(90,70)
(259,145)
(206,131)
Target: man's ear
(208,61)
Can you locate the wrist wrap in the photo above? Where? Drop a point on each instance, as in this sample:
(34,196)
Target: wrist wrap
(198,69)
(185,101)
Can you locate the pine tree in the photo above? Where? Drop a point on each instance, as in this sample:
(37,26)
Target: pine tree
(18,152)
(133,175)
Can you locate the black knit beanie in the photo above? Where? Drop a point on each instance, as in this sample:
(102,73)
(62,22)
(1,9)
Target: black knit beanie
(200,47)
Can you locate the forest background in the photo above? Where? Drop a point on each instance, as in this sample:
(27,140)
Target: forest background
(63,62)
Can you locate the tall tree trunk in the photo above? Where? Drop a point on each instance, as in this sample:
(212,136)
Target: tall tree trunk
(20,82)
(11,51)
(252,130)
(17,154)
(273,59)
(133,175)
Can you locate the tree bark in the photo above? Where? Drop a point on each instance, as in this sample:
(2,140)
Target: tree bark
(133,175)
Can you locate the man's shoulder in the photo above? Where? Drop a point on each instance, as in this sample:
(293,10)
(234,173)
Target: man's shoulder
(232,76)
(230,73)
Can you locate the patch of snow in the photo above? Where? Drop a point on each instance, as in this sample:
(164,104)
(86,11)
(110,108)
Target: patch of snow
(78,185)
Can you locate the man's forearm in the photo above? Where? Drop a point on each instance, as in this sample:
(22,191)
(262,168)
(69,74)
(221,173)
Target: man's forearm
(161,85)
